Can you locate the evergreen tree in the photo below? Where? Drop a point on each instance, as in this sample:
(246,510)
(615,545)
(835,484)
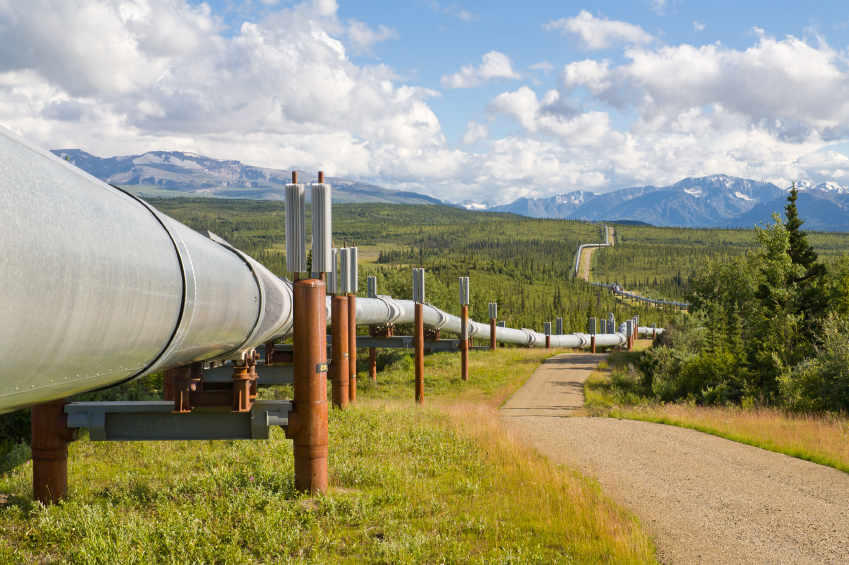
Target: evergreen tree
(812,298)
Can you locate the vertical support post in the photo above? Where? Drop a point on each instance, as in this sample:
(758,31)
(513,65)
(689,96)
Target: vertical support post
(49,441)
(418,345)
(182,390)
(653,331)
(308,427)
(492,341)
(464,342)
(168,384)
(592,343)
(339,340)
(548,342)
(352,348)
(241,388)
(547,331)
(372,363)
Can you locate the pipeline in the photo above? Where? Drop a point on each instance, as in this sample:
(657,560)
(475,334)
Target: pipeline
(133,292)
(617,289)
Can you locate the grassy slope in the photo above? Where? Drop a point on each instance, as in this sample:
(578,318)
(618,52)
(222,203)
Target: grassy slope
(435,484)
(823,439)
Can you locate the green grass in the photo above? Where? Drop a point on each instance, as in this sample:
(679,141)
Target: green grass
(441,483)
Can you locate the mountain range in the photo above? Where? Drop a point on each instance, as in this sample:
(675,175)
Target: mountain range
(178,173)
(710,201)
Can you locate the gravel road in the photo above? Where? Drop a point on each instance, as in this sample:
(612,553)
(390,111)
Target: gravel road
(706,500)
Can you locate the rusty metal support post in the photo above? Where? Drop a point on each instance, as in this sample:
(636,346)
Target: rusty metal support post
(352,348)
(418,345)
(241,388)
(372,364)
(464,342)
(592,343)
(50,438)
(548,342)
(492,341)
(339,341)
(182,389)
(168,384)
(308,423)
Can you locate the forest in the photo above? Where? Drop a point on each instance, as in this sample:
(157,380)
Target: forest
(767,326)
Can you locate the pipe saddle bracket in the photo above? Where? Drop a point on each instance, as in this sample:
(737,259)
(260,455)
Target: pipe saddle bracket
(155,421)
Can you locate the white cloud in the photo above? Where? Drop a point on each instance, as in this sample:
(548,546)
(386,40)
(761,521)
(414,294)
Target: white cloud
(600,33)
(543,66)
(494,65)
(658,6)
(475,132)
(282,90)
(786,86)
(363,38)
(698,27)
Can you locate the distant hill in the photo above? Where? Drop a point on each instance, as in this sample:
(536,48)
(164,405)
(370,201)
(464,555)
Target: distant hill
(178,173)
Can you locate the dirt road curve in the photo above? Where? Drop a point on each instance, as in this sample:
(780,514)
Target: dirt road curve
(586,259)
(705,499)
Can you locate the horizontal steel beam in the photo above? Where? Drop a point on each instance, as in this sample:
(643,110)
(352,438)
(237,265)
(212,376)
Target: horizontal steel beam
(156,421)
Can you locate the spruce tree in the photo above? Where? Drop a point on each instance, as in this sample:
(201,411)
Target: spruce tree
(812,300)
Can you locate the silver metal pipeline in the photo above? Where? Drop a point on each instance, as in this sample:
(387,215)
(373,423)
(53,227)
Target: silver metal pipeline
(581,248)
(98,288)
(619,290)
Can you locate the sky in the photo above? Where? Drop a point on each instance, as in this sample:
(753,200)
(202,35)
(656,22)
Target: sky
(462,101)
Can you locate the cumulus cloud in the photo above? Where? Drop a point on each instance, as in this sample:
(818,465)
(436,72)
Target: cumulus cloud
(788,87)
(494,65)
(363,38)
(475,132)
(118,77)
(599,33)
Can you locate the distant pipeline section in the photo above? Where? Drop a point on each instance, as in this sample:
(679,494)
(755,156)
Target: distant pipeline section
(100,288)
(617,289)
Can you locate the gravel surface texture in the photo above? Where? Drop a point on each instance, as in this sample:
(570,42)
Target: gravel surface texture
(706,500)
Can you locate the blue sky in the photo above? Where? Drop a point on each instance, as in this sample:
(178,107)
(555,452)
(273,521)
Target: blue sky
(467,100)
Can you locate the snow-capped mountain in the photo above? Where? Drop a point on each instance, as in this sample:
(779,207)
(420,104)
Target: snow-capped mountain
(824,186)
(183,172)
(470,205)
(559,206)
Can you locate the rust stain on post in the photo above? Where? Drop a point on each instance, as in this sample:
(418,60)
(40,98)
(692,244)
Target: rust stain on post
(592,344)
(492,341)
(339,341)
(352,347)
(418,345)
(308,427)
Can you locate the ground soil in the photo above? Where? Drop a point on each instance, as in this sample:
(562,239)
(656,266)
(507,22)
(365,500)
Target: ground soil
(706,500)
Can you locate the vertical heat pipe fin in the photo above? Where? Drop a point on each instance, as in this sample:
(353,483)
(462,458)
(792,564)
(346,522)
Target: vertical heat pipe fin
(296,228)
(321,228)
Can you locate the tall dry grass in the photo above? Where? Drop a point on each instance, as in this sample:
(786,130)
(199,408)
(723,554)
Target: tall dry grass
(821,438)
(526,490)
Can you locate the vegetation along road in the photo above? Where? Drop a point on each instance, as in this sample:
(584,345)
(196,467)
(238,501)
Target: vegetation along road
(705,499)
